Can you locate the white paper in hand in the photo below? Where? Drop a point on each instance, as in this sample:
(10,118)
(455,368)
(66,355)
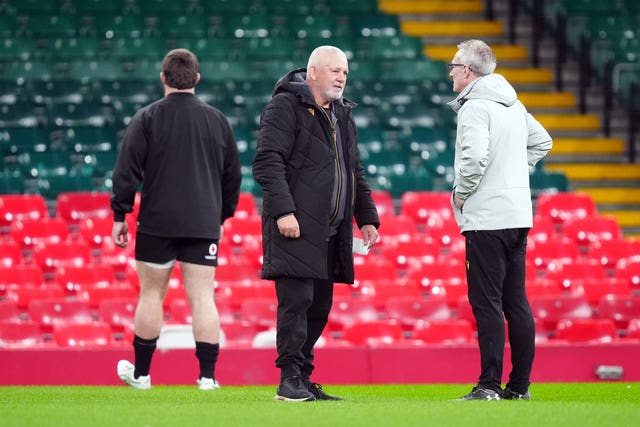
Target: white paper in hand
(359,247)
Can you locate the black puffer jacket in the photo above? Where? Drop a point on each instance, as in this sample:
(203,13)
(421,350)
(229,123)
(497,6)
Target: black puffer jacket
(295,165)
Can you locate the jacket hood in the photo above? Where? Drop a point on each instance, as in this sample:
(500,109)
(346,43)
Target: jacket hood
(492,87)
(295,82)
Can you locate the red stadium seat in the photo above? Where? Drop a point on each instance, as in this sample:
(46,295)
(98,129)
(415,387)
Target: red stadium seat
(373,267)
(77,278)
(572,276)
(380,291)
(454,332)
(54,311)
(96,231)
(19,207)
(9,312)
(564,206)
(260,312)
(396,228)
(542,254)
(619,308)
(426,206)
(10,254)
(349,311)
(237,229)
(94,294)
(384,202)
(405,254)
(74,207)
(593,292)
(28,233)
(50,256)
(610,252)
(588,231)
(633,331)
(20,335)
(19,276)
(543,230)
(179,312)
(23,295)
(549,309)
(407,311)
(246,206)
(238,334)
(96,334)
(373,332)
(235,293)
(586,330)
(429,275)
(118,312)
(630,272)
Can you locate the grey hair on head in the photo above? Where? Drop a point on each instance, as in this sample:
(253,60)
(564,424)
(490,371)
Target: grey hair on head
(478,56)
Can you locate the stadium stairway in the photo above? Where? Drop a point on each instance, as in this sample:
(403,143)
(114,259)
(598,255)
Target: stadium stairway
(594,163)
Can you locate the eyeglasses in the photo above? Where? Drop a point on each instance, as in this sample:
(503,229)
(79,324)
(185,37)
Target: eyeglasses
(451,66)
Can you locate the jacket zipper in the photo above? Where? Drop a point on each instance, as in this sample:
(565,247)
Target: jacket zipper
(335,149)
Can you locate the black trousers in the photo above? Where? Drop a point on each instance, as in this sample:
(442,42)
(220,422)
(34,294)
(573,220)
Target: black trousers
(496,278)
(303,312)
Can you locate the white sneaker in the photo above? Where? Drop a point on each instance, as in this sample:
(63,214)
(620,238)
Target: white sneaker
(207,384)
(125,372)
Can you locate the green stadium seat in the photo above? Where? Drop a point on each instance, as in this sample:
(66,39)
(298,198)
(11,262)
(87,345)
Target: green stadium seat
(20,115)
(14,140)
(44,7)
(273,48)
(177,25)
(100,7)
(87,139)
(248,26)
(86,72)
(309,26)
(161,7)
(12,182)
(130,49)
(412,71)
(374,25)
(20,72)
(224,71)
(108,26)
(350,7)
(86,114)
(49,25)
(72,48)
(228,7)
(17,49)
(393,47)
(8,25)
(51,185)
(294,7)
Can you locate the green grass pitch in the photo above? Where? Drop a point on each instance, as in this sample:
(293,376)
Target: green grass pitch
(553,404)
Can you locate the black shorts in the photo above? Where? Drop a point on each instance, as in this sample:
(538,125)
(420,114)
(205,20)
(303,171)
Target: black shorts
(162,250)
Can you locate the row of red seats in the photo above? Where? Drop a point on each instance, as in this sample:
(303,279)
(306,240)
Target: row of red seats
(258,311)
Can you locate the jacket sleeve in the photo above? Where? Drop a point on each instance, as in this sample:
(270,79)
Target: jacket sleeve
(474,148)
(539,142)
(276,140)
(231,177)
(127,173)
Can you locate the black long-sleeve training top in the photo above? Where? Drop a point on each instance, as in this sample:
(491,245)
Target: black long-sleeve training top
(185,154)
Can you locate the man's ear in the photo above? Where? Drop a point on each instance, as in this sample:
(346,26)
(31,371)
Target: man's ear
(162,77)
(197,77)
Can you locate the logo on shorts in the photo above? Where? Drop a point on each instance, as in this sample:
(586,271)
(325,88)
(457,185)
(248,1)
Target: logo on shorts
(213,251)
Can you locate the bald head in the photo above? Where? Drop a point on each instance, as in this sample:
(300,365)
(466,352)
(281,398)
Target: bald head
(327,71)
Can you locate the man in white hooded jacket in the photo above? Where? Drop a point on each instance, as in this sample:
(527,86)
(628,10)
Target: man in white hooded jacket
(497,142)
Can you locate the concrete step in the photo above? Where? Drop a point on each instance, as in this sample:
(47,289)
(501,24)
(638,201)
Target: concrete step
(408,7)
(570,122)
(626,218)
(618,196)
(598,171)
(577,146)
(547,100)
(457,29)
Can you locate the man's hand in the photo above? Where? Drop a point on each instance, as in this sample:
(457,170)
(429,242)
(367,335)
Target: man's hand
(288,226)
(369,235)
(458,202)
(120,233)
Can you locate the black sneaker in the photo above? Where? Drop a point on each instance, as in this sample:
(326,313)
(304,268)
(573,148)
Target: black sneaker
(292,389)
(514,395)
(479,393)
(318,392)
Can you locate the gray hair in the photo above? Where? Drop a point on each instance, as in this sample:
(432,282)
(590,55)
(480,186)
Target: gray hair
(477,55)
(319,54)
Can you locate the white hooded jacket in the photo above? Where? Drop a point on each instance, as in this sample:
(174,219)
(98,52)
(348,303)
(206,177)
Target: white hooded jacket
(497,141)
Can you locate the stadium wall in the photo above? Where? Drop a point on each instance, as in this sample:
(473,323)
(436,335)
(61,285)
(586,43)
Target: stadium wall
(339,365)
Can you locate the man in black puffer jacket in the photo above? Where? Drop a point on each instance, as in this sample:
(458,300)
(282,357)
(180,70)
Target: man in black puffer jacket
(308,165)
